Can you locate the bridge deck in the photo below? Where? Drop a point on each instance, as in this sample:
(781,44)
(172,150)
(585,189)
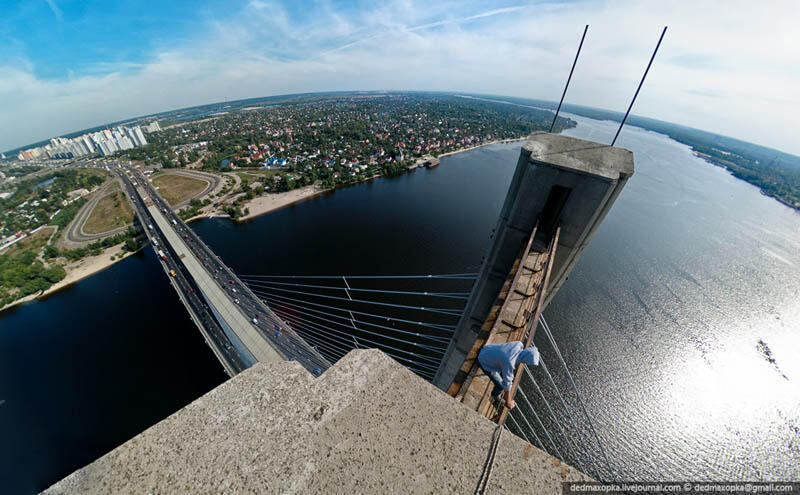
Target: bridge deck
(247,334)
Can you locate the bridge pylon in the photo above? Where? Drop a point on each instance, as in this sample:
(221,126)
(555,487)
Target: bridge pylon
(561,185)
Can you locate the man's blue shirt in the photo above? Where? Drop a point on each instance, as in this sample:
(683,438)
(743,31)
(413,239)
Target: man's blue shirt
(502,359)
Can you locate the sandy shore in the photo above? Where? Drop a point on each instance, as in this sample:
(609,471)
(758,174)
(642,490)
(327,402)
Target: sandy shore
(271,202)
(79,270)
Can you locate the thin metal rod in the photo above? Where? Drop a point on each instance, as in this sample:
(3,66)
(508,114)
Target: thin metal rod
(453,276)
(530,426)
(352,318)
(555,117)
(285,300)
(621,124)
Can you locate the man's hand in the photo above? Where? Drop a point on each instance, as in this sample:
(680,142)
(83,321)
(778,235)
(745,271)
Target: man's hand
(510,404)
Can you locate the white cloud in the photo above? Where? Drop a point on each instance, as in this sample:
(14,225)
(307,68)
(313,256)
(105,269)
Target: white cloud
(55,9)
(726,67)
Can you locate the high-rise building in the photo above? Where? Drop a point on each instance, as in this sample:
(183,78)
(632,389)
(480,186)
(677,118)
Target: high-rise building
(140,136)
(152,127)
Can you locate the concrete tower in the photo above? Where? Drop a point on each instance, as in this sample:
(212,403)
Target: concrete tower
(559,181)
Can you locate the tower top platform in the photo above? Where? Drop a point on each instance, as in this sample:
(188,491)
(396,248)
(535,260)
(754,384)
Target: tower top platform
(579,155)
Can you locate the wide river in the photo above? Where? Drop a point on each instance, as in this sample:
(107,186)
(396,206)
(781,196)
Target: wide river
(680,324)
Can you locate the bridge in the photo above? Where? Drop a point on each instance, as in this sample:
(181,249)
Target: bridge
(434,325)
(240,329)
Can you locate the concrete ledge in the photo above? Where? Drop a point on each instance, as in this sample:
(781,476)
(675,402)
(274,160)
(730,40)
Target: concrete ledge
(366,425)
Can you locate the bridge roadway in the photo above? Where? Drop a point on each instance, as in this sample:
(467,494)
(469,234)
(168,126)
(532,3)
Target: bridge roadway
(254,331)
(187,290)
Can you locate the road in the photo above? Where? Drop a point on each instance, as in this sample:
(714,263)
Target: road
(248,324)
(188,291)
(74,236)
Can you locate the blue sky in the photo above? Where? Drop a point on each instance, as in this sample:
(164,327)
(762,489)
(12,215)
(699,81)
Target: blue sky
(729,67)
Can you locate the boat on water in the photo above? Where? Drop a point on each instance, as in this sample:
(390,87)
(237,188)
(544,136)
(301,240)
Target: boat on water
(432,163)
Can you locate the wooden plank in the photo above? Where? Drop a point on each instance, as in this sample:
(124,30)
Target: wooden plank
(542,292)
(469,367)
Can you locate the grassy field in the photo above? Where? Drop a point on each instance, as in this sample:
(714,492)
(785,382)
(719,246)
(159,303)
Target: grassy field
(178,188)
(99,172)
(252,175)
(111,212)
(33,242)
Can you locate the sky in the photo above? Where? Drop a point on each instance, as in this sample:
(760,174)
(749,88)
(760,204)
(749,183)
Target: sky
(729,67)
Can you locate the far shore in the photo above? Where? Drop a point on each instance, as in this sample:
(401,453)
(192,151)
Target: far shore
(271,202)
(262,205)
(78,270)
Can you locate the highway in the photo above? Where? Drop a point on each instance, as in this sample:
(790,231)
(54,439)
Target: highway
(249,326)
(188,291)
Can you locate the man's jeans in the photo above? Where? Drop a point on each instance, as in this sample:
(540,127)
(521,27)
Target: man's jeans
(494,376)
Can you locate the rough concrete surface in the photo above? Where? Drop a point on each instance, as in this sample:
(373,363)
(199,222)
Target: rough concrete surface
(580,155)
(367,425)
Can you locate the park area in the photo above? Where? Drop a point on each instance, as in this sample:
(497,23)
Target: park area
(111,212)
(176,189)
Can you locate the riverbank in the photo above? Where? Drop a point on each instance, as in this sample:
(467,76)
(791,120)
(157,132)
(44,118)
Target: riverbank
(271,202)
(78,270)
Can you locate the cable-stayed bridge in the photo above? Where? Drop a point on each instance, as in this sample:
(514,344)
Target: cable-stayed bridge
(434,324)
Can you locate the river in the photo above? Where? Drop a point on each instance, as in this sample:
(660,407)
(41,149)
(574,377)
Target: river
(679,324)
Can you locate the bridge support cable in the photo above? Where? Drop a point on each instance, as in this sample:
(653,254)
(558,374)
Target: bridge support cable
(541,424)
(443,311)
(438,349)
(276,300)
(567,439)
(530,427)
(344,337)
(345,345)
(553,343)
(347,289)
(295,303)
(538,443)
(429,325)
(447,276)
(574,423)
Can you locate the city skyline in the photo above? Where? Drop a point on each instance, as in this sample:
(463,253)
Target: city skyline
(727,68)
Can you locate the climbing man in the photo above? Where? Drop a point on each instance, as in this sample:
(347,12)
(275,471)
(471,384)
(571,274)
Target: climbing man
(498,362)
